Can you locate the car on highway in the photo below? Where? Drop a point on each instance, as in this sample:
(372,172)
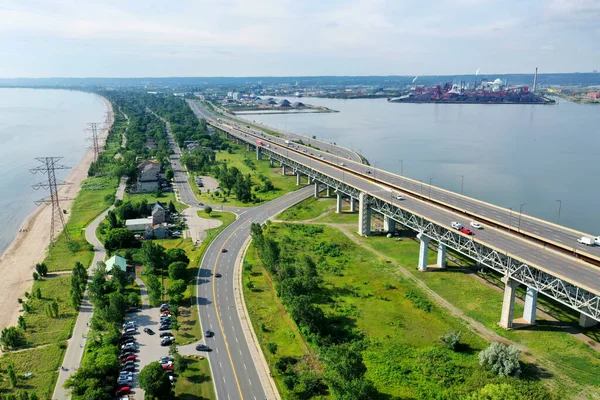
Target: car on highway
(368,172)
(202,347)
(342,164)
(218,275)
(209,333)
(476,225)
(223,250)
(149,331)
(399,197)
(122,391)
(456,225)
(466,231)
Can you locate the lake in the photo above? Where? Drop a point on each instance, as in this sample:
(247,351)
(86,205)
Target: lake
(38,123)
(508,154)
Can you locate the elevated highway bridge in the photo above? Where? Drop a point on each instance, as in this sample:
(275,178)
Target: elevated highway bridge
(542,256)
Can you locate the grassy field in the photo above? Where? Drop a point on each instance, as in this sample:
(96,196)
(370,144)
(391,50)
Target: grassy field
(366,294)
(283,184)
(152,199)
(42,363)
(558,351)
(307,209)
(196,382)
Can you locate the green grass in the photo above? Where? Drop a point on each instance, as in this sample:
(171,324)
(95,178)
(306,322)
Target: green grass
(42,329)
(42,362)
(195,383)
(152,199)
(96,195)
(307,209)
(269,319)
(369,294)
(283,184)
(560,351)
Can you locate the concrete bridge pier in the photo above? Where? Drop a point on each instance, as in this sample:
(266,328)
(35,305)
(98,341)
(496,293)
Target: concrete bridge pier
(258,153)
(389,225)
(529,313)
(328,191)
(586,322)
(271,162)
(423,251)
(298,177)
(309,179)
(338,203)
(508,305)
(283,171)
(441,255)
(352,204)
(247,146)
(316,190)
(364,215)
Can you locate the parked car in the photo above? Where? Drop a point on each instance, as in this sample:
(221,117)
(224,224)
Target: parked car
(202,347)
(166,334)
(128,346)
(167,341)
(466,231)
(125,380)
(127,353)
(475,225)
(164,306)
(209,333)
(166,363)
(165,359)
(128,368)
(123,390)
(166,312)
(149,331)
(164,327)
(168,367)
(128,358)
(130,330)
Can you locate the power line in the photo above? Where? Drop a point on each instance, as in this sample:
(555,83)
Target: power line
(95,128)
(49,165)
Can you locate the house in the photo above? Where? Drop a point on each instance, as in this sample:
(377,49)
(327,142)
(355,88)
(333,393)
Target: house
(151,144)
(594,96)
(116,262)
(159,214)
(156,232)
(138,224)
(148,176)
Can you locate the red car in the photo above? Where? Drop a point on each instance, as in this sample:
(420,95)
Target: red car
(166,312)
(466,231)
(168,367)
(123,390)
(128,358)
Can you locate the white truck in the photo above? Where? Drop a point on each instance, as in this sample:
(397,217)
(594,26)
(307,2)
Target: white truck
(588,241)
(287,142)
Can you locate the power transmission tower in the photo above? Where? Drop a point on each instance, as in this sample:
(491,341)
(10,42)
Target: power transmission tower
(94,127)
(49,165)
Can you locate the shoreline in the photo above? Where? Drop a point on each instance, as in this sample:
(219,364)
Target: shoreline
(31,242)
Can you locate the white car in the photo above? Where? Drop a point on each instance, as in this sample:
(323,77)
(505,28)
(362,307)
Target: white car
(342,164)
(597,240)
(476,225)
(456,225)
(399,197)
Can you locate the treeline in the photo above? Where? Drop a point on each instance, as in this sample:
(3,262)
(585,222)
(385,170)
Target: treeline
(96,378)
(298,283)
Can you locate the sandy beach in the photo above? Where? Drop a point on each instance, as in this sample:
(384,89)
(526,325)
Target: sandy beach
(31,242)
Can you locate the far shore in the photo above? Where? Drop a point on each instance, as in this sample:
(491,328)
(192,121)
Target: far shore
(31,242)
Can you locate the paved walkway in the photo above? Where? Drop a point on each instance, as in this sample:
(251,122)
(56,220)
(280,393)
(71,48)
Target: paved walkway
(76,345)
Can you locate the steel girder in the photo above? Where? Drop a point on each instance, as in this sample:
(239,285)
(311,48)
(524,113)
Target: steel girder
(556,288)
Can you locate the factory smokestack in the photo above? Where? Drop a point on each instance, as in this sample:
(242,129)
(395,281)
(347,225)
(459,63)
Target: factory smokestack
(535,79)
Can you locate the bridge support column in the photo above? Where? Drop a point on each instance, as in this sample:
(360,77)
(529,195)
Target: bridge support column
(258,153)
(247,146)
(298,177)
(328,191)
(283,171)
(441,255)
(389,225)
(338,204)
(316,189)
(271,162)
(309,179)
(423,251)
(364,216)
(530,305)
(508,305)
(587,322)
(352,204)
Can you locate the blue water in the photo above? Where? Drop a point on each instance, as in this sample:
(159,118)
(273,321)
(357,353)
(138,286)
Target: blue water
(38,123)
(508,154)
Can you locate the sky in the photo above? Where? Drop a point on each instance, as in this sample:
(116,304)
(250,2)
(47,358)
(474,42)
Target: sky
(158,38)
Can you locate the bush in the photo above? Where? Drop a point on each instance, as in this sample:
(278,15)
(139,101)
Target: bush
(272,347)
(501,359)
(12,337)
(36,276)
(418,301)
(451,339)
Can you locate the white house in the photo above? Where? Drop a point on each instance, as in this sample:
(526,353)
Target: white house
(116,262)
(138,224)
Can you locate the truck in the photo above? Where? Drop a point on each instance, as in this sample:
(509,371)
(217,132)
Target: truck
(287,142)
(588,241)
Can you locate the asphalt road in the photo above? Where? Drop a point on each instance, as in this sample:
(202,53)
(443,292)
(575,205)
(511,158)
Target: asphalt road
(571,269)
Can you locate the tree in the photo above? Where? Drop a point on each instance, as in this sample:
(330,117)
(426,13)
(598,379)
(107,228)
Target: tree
(120,238)
(37,293)
(501,359)
(22,395)
(41,269)
(154,289)
(177,254)
(153,256)
(12,376)
(179,362)
(272,347)
(117,305)
(112,220)
(208,209)
(175,325)
(33,396)
(169,174)
(345,372)
(177,270)
(36,276)
(172,209)
(176,290)
(21,323)
(155,382)
(12,337)
(451,339)
(492,391)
